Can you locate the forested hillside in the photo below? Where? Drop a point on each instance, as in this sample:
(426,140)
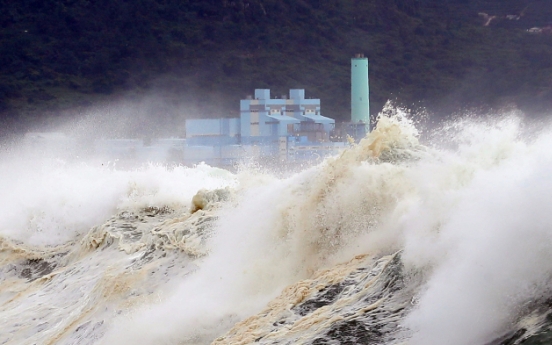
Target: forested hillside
(207,54)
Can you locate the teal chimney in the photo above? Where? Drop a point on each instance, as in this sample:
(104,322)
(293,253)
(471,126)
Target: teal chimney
(360,101)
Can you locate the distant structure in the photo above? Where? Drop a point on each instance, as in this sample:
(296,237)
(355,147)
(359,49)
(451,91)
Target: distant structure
(487,19)
(535,30)
(360,99)
(546,30)
(263,118)
(288,129)
(44,142)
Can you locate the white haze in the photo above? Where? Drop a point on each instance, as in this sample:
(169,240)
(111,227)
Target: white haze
(48,201)
(473,218)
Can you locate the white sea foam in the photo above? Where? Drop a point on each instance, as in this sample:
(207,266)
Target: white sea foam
(50,201)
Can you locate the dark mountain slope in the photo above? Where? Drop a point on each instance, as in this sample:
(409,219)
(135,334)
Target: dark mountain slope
(208,54)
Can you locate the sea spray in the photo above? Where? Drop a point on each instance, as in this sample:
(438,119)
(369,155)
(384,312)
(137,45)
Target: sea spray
(491,250)
(62,280)
(476,238)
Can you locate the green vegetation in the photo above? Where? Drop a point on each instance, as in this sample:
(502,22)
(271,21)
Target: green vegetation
(65,54)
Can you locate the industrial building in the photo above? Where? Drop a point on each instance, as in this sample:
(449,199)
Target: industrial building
(285,129)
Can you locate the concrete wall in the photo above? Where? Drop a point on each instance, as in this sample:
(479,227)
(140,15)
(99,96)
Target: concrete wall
(210,127)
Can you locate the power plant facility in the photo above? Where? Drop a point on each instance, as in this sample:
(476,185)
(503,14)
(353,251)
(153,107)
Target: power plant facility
(288,129)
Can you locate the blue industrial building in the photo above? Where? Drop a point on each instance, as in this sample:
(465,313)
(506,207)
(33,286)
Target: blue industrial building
(265,117)
(289,129)
(221,131)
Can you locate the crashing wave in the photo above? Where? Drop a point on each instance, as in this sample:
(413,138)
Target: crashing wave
(447,246)
(157,228)
(122,263)
(360,302)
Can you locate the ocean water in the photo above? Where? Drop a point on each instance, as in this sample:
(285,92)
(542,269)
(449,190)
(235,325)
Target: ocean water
(397,240)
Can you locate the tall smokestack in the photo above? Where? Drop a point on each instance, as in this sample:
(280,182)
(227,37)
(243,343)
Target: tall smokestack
(360,101)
